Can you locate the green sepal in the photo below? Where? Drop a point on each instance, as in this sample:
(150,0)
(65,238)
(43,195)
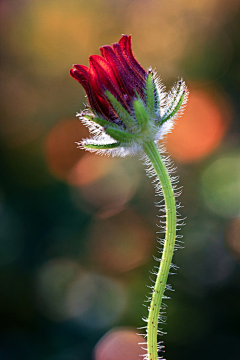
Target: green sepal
(141,115)
(137,95)
(104,123)
(150,95)
(170,109)
(120,135)
(156,97)
(123,114)
(101,146)
(175,110)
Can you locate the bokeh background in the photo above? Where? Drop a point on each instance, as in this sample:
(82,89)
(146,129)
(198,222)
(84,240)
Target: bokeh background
(78,230)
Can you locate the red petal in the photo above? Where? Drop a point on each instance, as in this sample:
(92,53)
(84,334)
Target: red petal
(81,74)
(97,90)
(81,68)
(119,69)
(126,45)
(105,72)
(102,78)
(131,78)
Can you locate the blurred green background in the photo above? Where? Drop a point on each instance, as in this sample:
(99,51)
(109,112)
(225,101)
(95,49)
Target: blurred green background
(78,230)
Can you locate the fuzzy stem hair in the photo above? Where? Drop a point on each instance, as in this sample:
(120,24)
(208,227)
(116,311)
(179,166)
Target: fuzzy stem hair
(170,234)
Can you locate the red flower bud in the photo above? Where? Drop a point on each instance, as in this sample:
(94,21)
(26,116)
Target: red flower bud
(116,71)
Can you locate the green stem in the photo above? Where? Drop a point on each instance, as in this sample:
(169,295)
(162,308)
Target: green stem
(170,235)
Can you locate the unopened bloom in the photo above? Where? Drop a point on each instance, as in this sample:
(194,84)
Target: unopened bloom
(128,106)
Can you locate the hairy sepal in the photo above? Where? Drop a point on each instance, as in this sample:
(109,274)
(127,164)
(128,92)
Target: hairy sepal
(150,95)
(102,122)
(141,115)
(123,114)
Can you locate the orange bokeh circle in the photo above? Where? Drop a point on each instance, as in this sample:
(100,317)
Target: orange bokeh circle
(200,130)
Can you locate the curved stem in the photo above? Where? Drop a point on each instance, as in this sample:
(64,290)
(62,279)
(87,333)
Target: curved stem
(170,235)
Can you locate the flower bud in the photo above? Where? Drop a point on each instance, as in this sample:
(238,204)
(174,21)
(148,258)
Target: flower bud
(127,105)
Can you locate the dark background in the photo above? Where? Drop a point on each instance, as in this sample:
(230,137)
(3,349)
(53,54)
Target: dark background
(78,230)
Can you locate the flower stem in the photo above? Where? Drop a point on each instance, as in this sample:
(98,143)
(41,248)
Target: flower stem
(170,206)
